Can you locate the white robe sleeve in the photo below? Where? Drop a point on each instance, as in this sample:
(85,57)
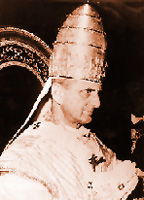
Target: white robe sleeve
(13,187)
(118,183)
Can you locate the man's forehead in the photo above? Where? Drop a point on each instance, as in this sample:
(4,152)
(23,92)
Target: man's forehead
(84,84)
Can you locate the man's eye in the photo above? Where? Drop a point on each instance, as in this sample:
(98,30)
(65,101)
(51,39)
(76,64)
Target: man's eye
(89,90)
(86,93)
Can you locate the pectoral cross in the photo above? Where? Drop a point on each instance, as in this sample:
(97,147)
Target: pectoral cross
(94,161)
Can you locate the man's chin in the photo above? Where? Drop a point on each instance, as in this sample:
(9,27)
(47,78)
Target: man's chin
(87,120)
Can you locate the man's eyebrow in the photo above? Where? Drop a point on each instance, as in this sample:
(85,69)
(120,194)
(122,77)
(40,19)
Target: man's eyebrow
(90,89)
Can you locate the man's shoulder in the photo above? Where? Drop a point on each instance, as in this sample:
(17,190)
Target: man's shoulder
(34,134)
(40,127)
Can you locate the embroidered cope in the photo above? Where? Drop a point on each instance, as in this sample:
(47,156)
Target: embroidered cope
(67,163)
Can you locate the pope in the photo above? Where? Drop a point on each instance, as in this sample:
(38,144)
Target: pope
(56,157)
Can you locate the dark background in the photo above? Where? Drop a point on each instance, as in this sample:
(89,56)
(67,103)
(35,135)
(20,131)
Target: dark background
(123,87)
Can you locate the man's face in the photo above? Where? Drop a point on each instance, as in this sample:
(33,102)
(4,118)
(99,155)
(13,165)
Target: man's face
(79,101)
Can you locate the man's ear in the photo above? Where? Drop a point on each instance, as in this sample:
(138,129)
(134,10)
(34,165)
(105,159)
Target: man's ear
(57,92)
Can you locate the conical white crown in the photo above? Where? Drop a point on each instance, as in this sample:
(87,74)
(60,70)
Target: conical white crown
(80,46)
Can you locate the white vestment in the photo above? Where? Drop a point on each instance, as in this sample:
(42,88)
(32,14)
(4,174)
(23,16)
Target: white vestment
(54,161)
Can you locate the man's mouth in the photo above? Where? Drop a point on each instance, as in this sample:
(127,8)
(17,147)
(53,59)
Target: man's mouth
(89,112)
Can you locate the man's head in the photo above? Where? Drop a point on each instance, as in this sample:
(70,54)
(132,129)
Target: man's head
(76,99)
(79,54)
(79,59)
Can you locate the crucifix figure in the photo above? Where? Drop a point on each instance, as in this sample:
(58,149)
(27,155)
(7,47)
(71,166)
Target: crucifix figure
(94,161)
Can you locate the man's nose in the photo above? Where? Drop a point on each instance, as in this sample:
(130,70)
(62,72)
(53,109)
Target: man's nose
(95,100)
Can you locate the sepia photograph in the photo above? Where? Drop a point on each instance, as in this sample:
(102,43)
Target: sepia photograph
(72,100)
